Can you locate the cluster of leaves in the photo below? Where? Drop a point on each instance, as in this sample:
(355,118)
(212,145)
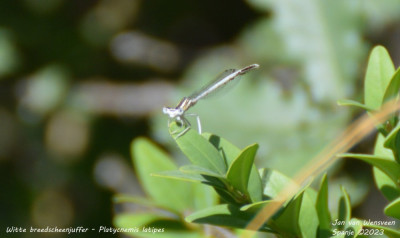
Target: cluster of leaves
(243,190)
(382,84)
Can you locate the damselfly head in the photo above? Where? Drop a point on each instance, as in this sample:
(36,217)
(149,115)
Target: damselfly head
(173,112)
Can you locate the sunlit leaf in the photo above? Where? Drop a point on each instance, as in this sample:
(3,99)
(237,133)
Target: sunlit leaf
(288,220)
(201,152)
(384,182)
(344,209)
(308,217)
(274,182)
(230,152)
(392,91)
(347,102)
(392,142)
(149,159)
(393,209)
(324,214)
(239,171)
(204,196)
(195,169)
(222,215)
(389,232)
(257,206)
(379,72)
(386,165)
(179,175)
(354,226)
(386,185)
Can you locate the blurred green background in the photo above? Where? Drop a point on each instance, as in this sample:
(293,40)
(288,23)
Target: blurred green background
(80,79)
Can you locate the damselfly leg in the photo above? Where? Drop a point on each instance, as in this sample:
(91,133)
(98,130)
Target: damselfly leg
(183,124)
(197,120)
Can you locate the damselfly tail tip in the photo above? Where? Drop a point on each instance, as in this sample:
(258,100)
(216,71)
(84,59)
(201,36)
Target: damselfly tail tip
(250,67)
(255,66)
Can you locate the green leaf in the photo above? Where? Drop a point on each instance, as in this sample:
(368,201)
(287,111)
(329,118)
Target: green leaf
(348,102)
(179,175)
(379,72)
(230,152)
(274,182)
(393,209)
(219,184)
(257,206)
(392,91)
(227,196)
(215,182)
(226,149)
(392,96)
(195,169)
(324,214)
(239,171)
(298,217)
(385,184)
(308,216)
(204,196)
(209,177)
(391,233)
(148,159)
(386,165)
(354,226)
(392,142)
(223,215)
(287,221)
(200,152)
(344,209)
(380,150)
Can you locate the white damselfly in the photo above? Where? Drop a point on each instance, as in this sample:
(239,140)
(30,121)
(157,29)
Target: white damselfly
(178,113)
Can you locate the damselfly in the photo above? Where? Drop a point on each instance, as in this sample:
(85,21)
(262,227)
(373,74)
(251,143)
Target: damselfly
(178,113)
